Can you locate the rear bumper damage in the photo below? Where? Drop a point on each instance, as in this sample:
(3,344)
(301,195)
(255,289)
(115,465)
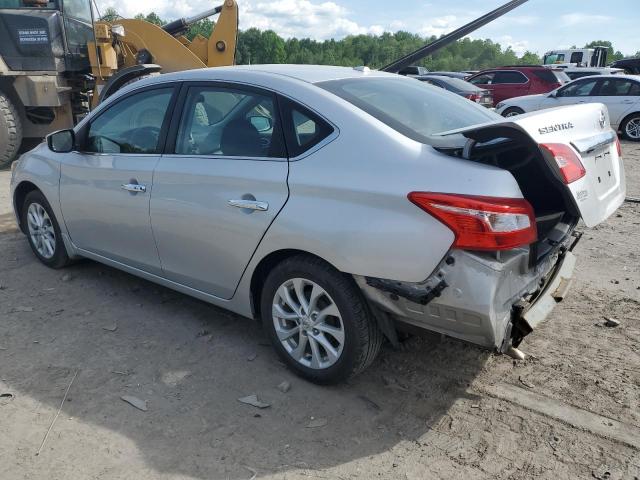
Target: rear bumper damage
(492,300)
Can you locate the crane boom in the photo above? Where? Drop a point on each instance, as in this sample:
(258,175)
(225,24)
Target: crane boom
(442,42)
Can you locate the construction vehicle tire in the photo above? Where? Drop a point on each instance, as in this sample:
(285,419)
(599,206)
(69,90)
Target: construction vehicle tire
(10,131)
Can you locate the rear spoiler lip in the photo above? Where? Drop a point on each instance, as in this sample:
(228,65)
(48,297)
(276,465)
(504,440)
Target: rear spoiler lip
(589,144)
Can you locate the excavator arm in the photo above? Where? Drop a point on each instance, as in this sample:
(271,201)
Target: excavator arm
(454,36)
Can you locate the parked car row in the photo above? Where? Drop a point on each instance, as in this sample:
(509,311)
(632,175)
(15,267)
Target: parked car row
(515,90)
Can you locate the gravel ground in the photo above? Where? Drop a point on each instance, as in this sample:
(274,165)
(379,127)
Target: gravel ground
(438,408)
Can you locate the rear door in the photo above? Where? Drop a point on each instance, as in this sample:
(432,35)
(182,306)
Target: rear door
(620,95)
(509,84)
(220,186)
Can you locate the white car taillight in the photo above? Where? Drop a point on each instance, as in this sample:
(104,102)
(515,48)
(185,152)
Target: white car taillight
(567,159)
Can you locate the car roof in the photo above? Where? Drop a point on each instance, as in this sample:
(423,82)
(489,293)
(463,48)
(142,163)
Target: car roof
(628,61)
(614,76)
(306,73)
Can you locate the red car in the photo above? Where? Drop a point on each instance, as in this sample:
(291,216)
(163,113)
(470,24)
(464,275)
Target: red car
(509,82)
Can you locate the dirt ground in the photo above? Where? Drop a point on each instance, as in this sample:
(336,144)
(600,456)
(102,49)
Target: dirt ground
(438,408)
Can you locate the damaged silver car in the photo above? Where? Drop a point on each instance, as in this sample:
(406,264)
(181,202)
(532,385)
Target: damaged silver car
(332,203)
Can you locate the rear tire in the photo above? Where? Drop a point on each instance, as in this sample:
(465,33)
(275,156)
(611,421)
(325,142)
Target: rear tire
(631,127)
(10,131)
(330,335)
(512,112)
(43,231)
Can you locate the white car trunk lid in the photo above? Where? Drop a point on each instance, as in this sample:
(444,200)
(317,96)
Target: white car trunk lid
(586,129)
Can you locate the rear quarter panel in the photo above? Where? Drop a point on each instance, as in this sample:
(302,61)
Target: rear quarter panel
(348,201)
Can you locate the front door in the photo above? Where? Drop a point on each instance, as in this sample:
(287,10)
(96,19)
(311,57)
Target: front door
(215,196)
(578,91)
(106,186)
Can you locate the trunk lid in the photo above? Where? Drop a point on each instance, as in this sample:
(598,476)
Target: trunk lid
(586,129)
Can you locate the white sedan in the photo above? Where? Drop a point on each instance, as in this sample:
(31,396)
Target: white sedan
(621,95)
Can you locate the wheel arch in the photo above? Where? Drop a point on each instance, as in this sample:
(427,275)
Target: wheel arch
(627,117)
(20,193)
(266,265)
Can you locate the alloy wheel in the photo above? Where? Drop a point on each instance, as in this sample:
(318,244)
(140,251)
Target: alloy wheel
(308,323)
(41,231)
(632,129)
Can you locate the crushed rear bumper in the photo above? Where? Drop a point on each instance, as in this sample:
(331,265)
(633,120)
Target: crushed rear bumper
(492,300)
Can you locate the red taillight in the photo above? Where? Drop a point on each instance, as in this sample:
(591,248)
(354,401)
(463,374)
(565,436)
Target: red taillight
(474,97)
(567,159)
(619,147)
(481,223)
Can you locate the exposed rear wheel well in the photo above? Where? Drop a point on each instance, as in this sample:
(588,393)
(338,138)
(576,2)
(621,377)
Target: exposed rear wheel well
(266,265)
(19,195)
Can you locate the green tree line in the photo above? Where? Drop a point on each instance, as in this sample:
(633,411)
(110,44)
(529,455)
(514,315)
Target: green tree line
(257,46)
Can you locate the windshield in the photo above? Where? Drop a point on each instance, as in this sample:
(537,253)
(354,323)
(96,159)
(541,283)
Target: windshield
(79,9)
(414,109)
(553,58)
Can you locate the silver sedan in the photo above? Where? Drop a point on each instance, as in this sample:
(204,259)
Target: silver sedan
(334,204)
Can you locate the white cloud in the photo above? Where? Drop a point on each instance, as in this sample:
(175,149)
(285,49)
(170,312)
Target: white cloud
(303,18)
(441,25)
(518,46)
(288,18)
(573,19)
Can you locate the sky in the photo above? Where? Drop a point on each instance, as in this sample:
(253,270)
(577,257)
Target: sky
(537,26)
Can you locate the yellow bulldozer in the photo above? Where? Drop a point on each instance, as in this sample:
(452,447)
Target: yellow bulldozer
(56,62)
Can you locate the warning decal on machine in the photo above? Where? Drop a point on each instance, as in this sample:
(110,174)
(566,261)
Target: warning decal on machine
(33,36)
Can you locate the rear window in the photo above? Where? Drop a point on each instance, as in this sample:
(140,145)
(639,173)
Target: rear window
(552,76)
(456,84)
(412,108)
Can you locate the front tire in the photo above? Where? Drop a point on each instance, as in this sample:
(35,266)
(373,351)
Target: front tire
(318,321)
(631,127)
(43,231)
(512,112)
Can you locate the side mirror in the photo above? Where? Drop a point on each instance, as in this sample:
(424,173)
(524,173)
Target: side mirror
(62,141)
(262,124)
(553,94)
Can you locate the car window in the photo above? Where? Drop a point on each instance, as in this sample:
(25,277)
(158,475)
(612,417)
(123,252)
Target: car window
(434,83)
(229,122)
(551,76)
(635,90)
(411,108)
(576,75)
(615,88)
(132,125)
(578,89)
(304,129)
(484,79)
(509,77)
(576,57)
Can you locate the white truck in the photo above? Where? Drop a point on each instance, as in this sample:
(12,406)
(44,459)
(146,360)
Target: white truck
(577,57)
